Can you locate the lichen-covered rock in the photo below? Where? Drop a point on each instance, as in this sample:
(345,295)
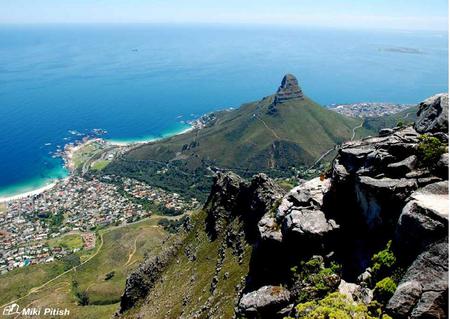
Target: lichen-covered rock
(264,301)
(433,114)
(423,291)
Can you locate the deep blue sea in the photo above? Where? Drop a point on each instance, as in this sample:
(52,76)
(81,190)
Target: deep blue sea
(140,81)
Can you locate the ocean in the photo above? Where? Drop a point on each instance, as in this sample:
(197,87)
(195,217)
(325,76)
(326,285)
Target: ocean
(139,82)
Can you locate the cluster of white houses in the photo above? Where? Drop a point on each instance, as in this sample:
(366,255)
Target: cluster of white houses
(77,205)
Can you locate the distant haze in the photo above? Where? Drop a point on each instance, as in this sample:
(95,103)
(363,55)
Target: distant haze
(375,14)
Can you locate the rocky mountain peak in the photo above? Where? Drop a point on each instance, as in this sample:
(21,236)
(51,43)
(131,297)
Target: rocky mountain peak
(288,90)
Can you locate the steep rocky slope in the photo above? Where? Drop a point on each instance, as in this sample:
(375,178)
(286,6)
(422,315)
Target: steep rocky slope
(368,239)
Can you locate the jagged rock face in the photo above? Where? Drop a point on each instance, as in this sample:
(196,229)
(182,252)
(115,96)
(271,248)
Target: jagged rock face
(231,196)
(423,292)
(222,201)
(424,219)
(433,115)
(301,215)
(288,90)
(264,302)
(142,280)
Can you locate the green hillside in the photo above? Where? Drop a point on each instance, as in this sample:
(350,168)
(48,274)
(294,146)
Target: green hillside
(264,136)
(120,250)
(257,137)
(377,123)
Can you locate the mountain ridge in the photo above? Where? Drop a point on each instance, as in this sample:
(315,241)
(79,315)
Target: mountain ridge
(366,240)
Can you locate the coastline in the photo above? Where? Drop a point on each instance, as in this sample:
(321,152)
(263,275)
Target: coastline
(146,140)
(67,157)
(29,193)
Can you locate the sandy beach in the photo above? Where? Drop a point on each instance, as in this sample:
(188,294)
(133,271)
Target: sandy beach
(131,143)
(27,194)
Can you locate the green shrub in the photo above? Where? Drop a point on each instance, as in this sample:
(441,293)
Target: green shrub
(384,290)
(430,149)
(383,262)
(312,280)
(70,261)
(109,275)
(335,305)
(82,297)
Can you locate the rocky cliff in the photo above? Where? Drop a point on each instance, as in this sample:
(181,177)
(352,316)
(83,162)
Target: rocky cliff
(368,239)
(288,90)
(387,189)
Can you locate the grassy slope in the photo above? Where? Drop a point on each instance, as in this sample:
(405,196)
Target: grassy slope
(119,244)
(238,138)
(69,241)
(406,116)
(185,285)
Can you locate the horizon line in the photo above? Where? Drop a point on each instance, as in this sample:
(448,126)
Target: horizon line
(230,24)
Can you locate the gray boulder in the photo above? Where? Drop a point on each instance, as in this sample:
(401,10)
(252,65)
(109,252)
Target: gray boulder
(433,115)
(424,219)
(308,223)
(403,167)
(308,194)
(355,292)
(265,300)
(442,166)
(269,229)
(423,291)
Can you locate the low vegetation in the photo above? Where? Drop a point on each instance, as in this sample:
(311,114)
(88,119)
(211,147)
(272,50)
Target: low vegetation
(430,150)
(333,306)
(313,281)
(383,262)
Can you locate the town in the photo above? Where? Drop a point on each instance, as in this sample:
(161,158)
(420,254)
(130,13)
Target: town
(76,205)
(363,110)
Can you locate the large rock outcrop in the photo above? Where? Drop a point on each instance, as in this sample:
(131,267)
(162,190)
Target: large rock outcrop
(288,90)
(232,196)
(433,114)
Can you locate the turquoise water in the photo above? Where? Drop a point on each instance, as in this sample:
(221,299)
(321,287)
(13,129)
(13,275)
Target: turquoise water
(141,82)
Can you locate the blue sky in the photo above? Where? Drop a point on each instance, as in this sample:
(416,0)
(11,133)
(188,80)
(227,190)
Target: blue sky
(384,14)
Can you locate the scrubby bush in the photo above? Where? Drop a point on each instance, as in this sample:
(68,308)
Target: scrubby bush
(70,261)
(312,280)
(109,275)
(430,149)
(335,305)
(82,297)
(384,289)
(383,262)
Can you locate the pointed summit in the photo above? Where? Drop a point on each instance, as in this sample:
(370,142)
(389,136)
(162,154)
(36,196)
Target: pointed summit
(288,89)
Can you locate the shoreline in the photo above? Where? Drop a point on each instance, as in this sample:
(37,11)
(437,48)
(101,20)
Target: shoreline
(144,141)
(35,192)
(67,156)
